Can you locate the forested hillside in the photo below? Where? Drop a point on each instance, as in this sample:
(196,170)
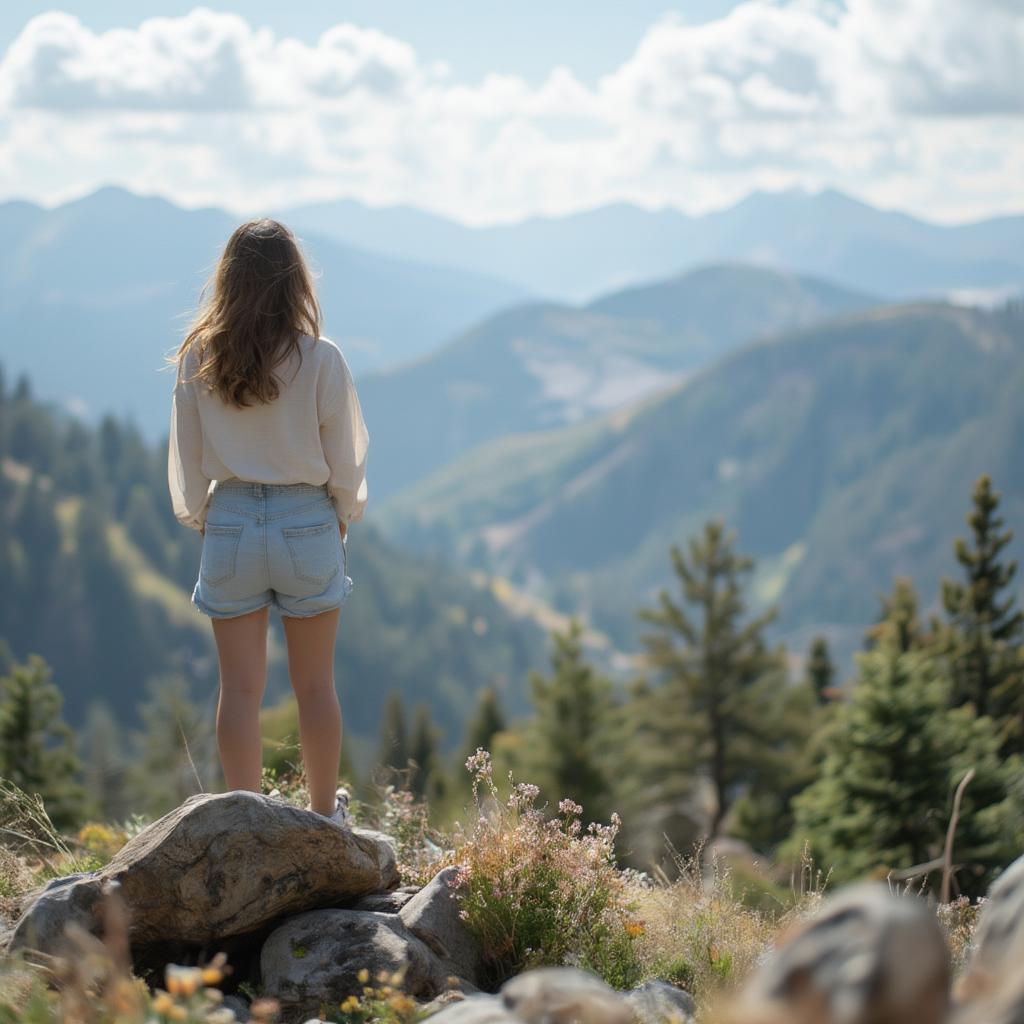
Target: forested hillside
(539,365)
(98,574)
(833,451)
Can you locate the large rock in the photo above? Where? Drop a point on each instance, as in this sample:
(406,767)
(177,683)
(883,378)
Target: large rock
(868,957)
(476,1009)
(1000,921)
(219,865)
(432,915)
(563,995)
(314,959)
(656,1002)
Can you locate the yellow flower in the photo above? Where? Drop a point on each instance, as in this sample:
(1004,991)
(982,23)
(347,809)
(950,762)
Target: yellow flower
(363,976)
(212,976)
(350,1005)
(382,976)
(183,981)
(178,1012)
(162,1002)
(396,978)
(634,928)
(400,1003)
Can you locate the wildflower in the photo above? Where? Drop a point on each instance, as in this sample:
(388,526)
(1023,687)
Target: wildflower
(162,1002)
(363,976)
(400,1003)
(634,929)
(396,978)
(178,1012)
(569,807)
(351,1004)
(264,1008)
(213,994)
(182,981)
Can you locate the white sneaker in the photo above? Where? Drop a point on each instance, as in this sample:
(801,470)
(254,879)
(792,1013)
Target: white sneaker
(341,815)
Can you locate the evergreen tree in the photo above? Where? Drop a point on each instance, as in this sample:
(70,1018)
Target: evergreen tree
(820,670)
(394,742)
(985,630)
(37,747)
(425,781)
(717,667)
(105,765)
(488,721)
(899,624)
(174,751)
(896,753)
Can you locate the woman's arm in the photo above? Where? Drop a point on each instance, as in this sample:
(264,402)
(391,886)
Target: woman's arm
(345,441)
(190,489)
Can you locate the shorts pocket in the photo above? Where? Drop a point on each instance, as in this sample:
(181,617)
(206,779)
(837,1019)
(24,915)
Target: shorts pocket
(315,551)
(219,554)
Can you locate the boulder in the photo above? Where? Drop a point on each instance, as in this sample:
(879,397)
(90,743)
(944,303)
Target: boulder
(476,1009)
(219,865)
(1000,922)
(314,959)
(563,995)
(658,1002)
(432,915)
(381,902)
(868,957)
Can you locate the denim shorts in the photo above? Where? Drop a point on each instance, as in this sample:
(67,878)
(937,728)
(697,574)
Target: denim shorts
(270,544)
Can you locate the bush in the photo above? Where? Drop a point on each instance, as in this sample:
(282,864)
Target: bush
(537,891)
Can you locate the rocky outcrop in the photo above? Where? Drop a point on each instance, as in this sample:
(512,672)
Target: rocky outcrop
(315,958)
(218,866)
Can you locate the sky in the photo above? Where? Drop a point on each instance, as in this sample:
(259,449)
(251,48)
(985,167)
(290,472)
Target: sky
(489,113)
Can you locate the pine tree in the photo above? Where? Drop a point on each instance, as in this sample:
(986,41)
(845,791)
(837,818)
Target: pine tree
(488,721)
(37,747)
(105,764)
(425,781)
(899,624)
(174,753)
(820,670)
(394,751)
(896,753)
(566,741)
(985,631)
(717,667)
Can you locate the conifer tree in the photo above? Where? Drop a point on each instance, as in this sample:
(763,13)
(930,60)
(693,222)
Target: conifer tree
(105,765)
(425,782)
(821,671)
(37,747)
(899,624)
(985,630)
(716,666)
(488,721)
(566,740)
(895,755)
(174,751)
(394,752)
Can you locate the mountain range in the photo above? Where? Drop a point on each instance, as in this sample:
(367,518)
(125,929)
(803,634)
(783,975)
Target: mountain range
(539,365)
(93,293)
(843,454)
(578,256)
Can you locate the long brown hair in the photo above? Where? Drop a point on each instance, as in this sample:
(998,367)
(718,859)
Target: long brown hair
(262,299)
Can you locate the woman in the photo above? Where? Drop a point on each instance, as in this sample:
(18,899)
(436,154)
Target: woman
(266,410)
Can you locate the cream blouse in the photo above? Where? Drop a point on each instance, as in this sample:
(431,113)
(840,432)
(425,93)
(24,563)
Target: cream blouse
(313,432)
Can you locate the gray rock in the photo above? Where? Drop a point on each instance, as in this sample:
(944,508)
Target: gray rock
(432,915)
(563,995)
(658,1002)
(381,902)
(314,959)
(478,1009)
(1000,921)
(238,1005)
(868,956)
(219,865)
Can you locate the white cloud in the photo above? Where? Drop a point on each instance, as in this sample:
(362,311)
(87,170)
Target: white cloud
(880,97)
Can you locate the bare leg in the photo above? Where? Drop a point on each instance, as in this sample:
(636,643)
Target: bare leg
(242,652)
(311,666)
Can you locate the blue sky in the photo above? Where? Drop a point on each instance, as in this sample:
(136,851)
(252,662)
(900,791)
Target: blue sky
(492,112)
